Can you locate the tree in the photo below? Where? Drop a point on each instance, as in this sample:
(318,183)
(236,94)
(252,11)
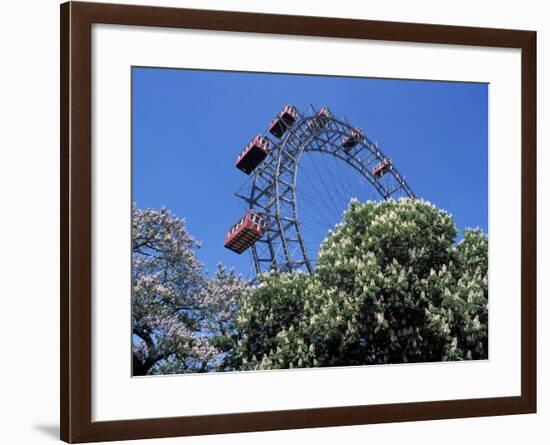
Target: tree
(221,299)
(391,286)
(180,317)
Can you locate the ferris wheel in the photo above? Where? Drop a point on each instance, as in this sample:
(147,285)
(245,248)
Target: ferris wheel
(301,179)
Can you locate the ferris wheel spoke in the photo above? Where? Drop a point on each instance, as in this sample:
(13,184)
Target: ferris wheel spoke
(341,185)
(326,188)
(315,207)
(351,180)
(337,186)
(319,198)
(336,193)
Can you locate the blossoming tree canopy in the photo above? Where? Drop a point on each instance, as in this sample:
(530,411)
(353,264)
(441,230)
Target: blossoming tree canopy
(181,318)
(392,285)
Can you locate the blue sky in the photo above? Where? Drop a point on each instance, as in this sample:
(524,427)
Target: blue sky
(188,127)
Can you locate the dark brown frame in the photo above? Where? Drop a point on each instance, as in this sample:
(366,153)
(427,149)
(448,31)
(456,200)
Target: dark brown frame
(76,226)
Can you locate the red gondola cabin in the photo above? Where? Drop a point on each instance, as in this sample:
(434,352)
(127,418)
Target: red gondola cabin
(324,113)
(245,232)
(382,168)
(320,119)
(254,153)
(352,138)
(283,120)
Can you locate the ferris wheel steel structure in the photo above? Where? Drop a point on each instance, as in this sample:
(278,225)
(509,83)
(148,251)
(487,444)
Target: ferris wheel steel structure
(272,188)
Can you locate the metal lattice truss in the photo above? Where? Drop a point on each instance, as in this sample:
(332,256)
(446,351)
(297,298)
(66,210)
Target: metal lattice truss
(272,190)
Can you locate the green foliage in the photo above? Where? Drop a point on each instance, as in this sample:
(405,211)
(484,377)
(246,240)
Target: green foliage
(391,286)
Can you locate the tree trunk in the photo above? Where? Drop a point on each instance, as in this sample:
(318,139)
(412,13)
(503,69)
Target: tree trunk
(138,367)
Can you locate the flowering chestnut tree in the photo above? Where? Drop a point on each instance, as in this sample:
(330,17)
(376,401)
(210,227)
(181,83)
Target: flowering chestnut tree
(181,318)
(391,286)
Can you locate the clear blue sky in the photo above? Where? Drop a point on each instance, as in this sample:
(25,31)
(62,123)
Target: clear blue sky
(188,127)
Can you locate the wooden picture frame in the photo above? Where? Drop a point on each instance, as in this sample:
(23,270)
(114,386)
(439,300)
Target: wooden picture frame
(76,221)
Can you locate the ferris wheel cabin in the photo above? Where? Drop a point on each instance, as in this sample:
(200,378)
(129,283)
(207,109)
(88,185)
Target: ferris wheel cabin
(283,120)
(381,169)
(352,138)
(324,113)
(245,232)
(320,119)
(254,153)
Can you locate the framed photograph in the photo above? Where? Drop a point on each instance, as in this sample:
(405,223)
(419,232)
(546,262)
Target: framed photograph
(276,222)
